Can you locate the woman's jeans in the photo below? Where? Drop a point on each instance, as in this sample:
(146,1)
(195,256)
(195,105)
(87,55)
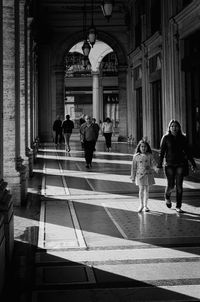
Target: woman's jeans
(174,176)
(108,139)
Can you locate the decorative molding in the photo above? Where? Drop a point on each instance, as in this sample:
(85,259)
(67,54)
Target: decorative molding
(188,20)
(153,45)
(136,57)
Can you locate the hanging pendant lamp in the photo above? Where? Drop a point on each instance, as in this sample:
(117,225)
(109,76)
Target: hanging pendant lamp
(107,8)
(86,48)
(92,33)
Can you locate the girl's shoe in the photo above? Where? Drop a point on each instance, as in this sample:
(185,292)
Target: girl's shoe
(178,210)
(140,209)
(146,209)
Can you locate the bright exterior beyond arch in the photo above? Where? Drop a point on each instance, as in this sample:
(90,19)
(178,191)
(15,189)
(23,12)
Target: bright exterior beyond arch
(97,52)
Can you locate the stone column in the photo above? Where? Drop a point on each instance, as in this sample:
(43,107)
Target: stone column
(175,71)
(146,100)
(20,102)
(28,82)
(22,81)
(1,91)
(6,209)
(10,112)
(95,95)
(35,93)
(122,102)
(2,255)
(100,99)
(59,91)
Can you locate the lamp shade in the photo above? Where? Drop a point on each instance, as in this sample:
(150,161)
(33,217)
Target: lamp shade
(86,48)
(107,8)
(92,35)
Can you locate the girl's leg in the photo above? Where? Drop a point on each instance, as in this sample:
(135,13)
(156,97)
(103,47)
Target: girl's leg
(106,141)
(179,186)
(146,197)
(141,198)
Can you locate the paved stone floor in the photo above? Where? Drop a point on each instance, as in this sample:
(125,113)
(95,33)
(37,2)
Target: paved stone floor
(80,237)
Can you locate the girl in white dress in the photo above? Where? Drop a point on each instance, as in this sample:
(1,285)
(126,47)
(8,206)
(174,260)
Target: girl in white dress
(142,168)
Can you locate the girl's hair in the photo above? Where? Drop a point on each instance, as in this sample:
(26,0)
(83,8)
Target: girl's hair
(174,122)
(142,141)
(108,120)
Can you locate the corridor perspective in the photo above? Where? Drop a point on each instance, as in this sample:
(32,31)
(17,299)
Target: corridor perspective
(80,237)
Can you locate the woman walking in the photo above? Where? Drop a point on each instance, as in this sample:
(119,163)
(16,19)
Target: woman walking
(107,131)
(174,149)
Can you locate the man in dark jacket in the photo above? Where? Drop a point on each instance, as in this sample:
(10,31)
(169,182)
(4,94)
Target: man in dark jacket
(89,135)
(67,127)
(57,129)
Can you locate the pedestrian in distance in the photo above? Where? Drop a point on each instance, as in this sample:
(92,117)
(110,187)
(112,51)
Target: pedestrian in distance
(67,127)
(82,121)
(88,134)
(174,149)
(107,131)
(97,130)
(142,172)
(57,130)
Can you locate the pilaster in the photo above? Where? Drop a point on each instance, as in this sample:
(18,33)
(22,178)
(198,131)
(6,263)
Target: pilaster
(100,98)
(22,80)
(95,95)
(28,82)
(6,209)
(1,89)
(122,76)
(10,111)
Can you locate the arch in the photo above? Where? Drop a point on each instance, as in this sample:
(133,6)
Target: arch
(66,44)
(57,60)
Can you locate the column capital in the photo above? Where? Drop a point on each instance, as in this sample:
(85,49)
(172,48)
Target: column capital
(58,69)
(29,22)
(95,72)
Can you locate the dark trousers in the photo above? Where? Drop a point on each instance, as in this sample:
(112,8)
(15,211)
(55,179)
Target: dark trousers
(174,177)
(108,139)
(89,149)
(58,137)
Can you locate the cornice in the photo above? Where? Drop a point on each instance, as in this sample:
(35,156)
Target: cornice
(136,57)
(188,19)
(153,45)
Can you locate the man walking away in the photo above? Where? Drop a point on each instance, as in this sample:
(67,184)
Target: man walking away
(57,129)
(67,127)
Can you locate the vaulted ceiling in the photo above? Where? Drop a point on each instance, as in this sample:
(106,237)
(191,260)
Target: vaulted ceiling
(65,15)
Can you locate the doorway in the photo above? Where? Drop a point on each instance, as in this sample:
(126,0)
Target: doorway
(191,67)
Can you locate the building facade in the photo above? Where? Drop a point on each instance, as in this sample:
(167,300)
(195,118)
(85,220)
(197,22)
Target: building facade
(156,78)
(157,74)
